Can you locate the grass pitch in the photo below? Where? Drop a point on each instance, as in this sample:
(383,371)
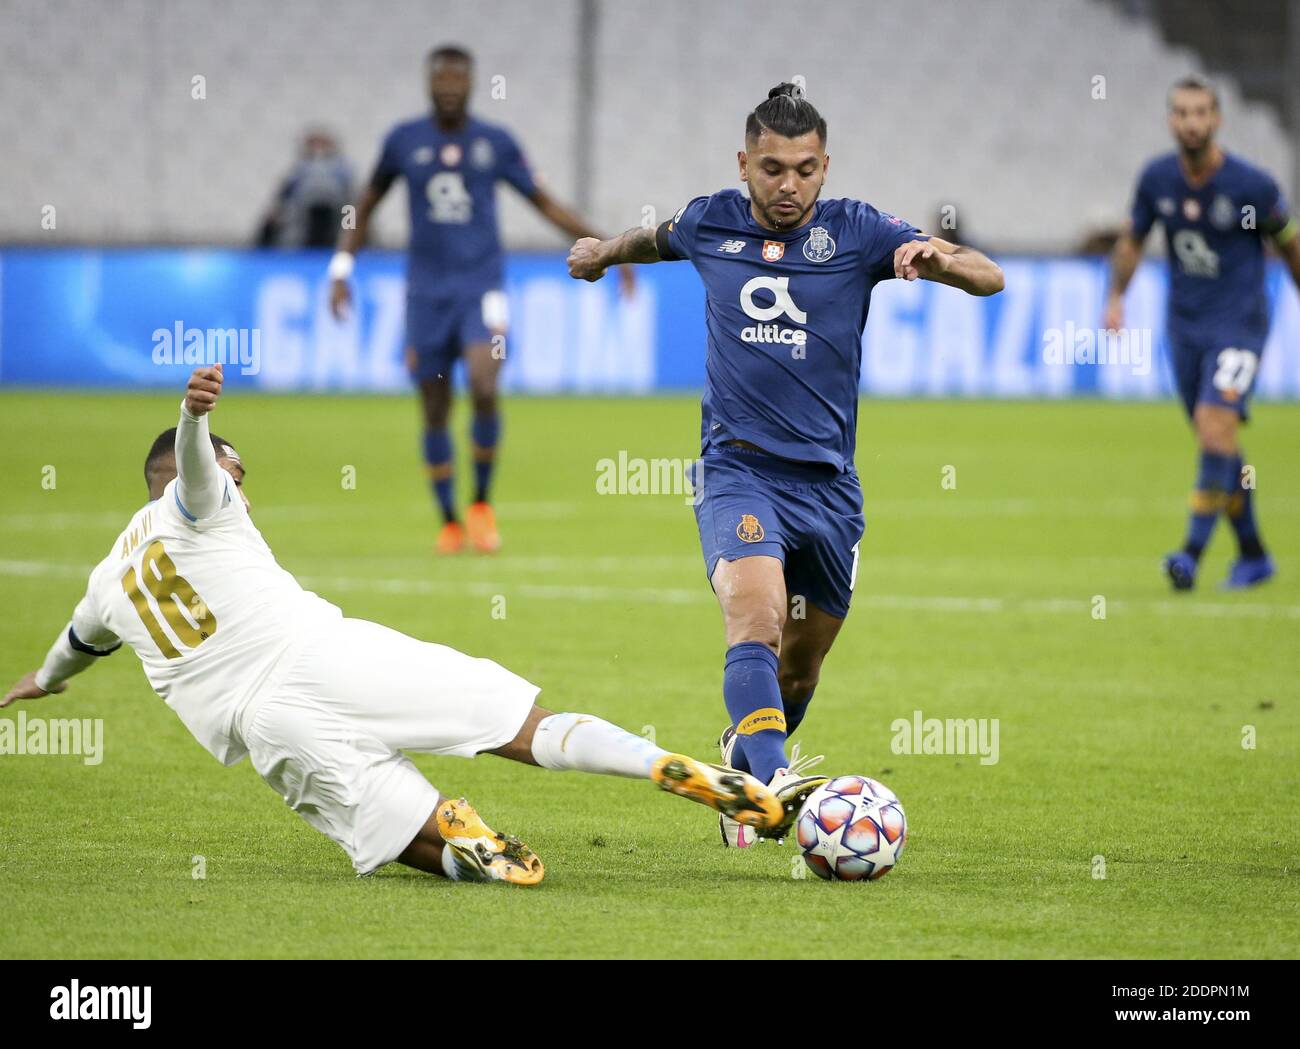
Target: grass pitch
(1120,744)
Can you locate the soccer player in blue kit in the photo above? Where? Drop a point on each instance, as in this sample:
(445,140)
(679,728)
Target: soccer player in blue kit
(452,163)
(788,280)
(1216,210)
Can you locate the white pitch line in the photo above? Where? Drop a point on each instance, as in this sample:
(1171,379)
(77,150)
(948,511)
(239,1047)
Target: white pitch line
(936,603)
(54,520)
(876,509)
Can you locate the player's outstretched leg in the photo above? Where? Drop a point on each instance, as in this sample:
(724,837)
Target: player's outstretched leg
(584,743)
(1253,564)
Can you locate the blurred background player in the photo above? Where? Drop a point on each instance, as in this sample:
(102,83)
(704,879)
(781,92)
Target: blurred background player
(1216,210)
(788,280)
(455,303)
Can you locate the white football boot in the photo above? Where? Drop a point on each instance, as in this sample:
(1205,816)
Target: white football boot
(734,835)
(792,788)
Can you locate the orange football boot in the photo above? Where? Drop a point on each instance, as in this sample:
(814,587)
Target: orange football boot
(451,540)
(480,853)
(481,524)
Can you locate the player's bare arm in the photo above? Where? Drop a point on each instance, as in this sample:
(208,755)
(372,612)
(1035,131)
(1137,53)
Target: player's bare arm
(562,218)
(27,688)
(946,263)
(351,242)
(67,657)
(1124,261)
(590,256)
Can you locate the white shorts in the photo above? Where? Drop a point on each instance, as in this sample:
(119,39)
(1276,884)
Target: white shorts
(328,738)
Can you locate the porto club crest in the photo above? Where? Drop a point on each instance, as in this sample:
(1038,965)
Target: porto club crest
(819,246)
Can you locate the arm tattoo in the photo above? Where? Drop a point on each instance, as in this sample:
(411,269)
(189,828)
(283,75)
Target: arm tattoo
(636,245)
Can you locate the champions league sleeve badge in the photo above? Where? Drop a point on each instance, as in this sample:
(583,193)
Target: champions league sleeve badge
(819,246)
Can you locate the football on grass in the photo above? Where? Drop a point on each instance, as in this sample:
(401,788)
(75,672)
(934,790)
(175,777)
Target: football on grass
(851,829)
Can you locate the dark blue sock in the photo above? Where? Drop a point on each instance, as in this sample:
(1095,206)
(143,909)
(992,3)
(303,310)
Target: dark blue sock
(1241,514)
(485,431)
(795,709)
(437,458)
(1218,477)
(753,699)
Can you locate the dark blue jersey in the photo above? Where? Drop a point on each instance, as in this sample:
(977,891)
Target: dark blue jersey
(785,313)
(451,179)
(1215,234)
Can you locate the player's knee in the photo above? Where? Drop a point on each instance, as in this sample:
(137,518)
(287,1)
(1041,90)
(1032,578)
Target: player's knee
(762,625)
(484,398)
(797,682)
(436,411)
(1216,431)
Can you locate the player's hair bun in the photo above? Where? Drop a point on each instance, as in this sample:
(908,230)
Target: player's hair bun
(786,112)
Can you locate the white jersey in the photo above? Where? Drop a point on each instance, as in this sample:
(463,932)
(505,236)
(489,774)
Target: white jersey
(212,616)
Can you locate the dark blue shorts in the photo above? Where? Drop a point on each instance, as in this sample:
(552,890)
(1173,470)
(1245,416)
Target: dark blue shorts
(439,330)
(807,515)
(1216,370)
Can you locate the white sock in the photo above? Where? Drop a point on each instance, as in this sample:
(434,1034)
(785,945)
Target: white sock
(449,863)
(585,743)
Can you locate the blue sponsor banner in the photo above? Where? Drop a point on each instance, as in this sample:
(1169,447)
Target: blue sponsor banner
(142,318)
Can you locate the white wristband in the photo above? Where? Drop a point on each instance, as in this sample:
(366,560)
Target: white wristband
(341,265)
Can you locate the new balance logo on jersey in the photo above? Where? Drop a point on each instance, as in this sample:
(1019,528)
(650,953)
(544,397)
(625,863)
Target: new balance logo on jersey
(779,289)
(732,247)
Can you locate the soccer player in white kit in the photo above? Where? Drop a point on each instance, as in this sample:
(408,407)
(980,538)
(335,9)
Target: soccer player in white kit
(324,705)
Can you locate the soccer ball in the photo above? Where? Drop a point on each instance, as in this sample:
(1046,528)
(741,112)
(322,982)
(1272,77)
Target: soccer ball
(850,829)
